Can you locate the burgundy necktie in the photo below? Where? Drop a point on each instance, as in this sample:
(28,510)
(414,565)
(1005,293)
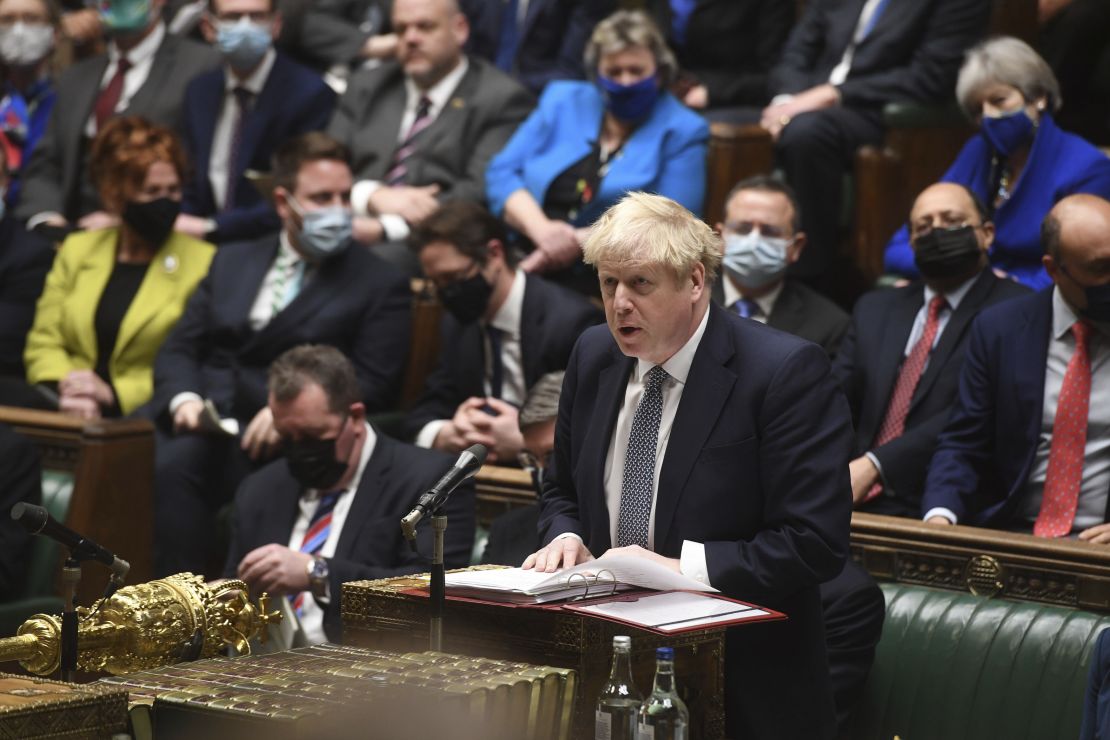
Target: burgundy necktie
(109,97)
(243,98)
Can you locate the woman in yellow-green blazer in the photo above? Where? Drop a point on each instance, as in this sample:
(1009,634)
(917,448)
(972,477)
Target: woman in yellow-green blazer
(115,293)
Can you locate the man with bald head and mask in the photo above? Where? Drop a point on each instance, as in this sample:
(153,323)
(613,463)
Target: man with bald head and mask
(1028,444)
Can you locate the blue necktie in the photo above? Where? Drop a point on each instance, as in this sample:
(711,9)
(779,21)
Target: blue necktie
(746,308)
(874,19)
(316,536)
(681,10)
(639,463)
(510,36)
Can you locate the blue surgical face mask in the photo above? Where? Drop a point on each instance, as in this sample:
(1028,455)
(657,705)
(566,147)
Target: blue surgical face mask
(755,261)
(243,43)
(124,16)
(1010,131)
(325,232)
(630,102)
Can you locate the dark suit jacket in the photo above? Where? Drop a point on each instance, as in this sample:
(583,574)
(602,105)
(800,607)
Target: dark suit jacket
(25,259)
(550,43)
(757,470)
(552,318)
(802,311)
(370,545)
(986,450)
(868,364)
(730,46)
(294,100)
(912,54)
(54,177)
(454,150)
(1096,705)
(20,482)
(354,302)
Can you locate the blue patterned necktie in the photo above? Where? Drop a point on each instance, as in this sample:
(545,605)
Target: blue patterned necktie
(746,308)
(319,529)
(639,463)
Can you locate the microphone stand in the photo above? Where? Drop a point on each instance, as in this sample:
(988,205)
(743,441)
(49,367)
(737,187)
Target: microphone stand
(71,576)
(438,587)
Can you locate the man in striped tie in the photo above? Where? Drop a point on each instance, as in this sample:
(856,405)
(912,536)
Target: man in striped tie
(330,510)
(1027,446)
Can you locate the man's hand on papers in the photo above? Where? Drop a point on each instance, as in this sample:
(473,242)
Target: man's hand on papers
(559,553)
(275,569)
(638,552)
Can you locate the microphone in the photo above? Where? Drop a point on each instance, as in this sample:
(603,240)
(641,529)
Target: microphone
(37,520)
(465,467)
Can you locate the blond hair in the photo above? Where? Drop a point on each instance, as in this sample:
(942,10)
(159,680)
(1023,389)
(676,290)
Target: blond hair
(650,229)
(624,30)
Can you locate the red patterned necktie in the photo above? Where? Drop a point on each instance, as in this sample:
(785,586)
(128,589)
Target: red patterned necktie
(109,97)
(1069,442)
(894,423)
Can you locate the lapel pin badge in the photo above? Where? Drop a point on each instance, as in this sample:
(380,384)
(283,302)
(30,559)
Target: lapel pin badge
(169,264)
(457,103)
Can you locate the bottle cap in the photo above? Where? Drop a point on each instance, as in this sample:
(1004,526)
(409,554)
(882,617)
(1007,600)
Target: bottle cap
(664,653)
(622,641)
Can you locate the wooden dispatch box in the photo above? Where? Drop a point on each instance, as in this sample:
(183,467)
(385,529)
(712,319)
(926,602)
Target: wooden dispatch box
(385,615)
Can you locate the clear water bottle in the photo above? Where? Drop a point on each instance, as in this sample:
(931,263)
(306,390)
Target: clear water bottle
(615,718)
(663,716)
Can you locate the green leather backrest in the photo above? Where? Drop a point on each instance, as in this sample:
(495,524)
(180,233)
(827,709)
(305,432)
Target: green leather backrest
(952,666)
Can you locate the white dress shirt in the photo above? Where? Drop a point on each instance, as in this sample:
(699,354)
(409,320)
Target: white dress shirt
(507,319)
(142,60)
(1096,457)
(840,71)
(765,302)
(439,95)
(312,615)
(677,367)
(218,159)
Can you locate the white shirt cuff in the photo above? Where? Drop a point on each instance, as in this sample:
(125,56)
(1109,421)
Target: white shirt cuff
(41,218)
(692,562)
(396,228)
(940,511)
(180,398)
(426,437)
(780,99)
(360,196)
(564,535)
(878,466)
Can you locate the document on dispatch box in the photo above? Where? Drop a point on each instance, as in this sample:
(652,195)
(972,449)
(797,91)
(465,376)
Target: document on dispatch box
(673,611)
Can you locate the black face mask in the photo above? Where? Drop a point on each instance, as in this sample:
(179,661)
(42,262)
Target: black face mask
(152,220)
(467,299)
(944,253)
(1098,303)
(312,463)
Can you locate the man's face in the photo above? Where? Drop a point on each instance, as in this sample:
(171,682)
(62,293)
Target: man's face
(1084,259)
(650,310)
(322,183)
(764,211)
(445,265)
(258,12)
(308,418)
(948,206)
(430,34)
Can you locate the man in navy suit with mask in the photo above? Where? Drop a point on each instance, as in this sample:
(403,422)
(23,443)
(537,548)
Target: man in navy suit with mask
(309,284)
(715,446)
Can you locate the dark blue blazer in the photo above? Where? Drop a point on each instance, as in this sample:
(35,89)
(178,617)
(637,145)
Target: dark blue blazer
(551,41)
(986,451)
(757,471)
(355,302)
(293,101)
(552,318)
(1060,164)
(1096,705)
(25,260)
(868,364)
(370,545)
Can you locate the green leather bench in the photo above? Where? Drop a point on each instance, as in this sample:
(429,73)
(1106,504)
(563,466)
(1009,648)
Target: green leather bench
(954,666)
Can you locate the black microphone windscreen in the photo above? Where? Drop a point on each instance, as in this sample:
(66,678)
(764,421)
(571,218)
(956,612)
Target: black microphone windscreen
(33,518)
(480,452)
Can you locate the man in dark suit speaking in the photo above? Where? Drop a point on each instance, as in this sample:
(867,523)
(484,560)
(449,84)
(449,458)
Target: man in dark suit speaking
(715,446)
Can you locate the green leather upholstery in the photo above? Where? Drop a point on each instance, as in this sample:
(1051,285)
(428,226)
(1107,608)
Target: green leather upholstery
(921,115)
(954,666)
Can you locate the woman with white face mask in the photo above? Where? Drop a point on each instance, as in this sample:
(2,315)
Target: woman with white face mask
(1020,163)
(28,30)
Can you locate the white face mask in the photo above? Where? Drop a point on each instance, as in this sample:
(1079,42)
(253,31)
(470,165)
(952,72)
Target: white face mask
(753,260)
(23,44)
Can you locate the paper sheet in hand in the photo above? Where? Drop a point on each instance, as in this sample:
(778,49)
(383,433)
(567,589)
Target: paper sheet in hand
(211,422)
(674,611)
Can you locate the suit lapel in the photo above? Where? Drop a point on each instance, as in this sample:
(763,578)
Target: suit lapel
(161,67)
(787,313)
(159,288)
(249,274)
(707,385)
(595,447)
(283,510)
(893,345)
(367,497)
(530,18)
(84,98)
(532,317)
(451,119)
(261,115)
(383,126)
(1031,366)
(204,120)
(331,279)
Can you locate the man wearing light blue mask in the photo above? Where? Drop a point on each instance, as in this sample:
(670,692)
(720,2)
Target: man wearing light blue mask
(307,284)
(762,239)
(237,115)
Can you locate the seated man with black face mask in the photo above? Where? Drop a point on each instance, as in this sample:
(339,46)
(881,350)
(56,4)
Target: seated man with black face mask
(503,330)
(329,511)
(1027,446)
(900,361)
(307,284)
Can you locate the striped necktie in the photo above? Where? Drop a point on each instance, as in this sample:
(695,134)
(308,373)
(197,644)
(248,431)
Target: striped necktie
(398,167)
(319,528)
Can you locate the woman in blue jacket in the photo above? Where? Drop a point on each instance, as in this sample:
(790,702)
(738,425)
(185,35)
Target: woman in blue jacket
(1020,163)
(587,144)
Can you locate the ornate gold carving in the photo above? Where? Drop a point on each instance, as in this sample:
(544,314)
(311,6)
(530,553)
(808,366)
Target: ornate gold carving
(985,576)
(147,625)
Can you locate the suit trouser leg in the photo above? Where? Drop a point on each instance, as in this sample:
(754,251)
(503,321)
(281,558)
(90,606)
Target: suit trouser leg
(194,475)
(815,151)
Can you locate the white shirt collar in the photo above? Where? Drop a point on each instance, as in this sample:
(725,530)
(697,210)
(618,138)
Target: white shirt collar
(364,457)
(954,296)
(256,80)
(440,92)
(142,51)
(507,318)
(678,366)
(765,302)
(1063,315)
(286,250)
